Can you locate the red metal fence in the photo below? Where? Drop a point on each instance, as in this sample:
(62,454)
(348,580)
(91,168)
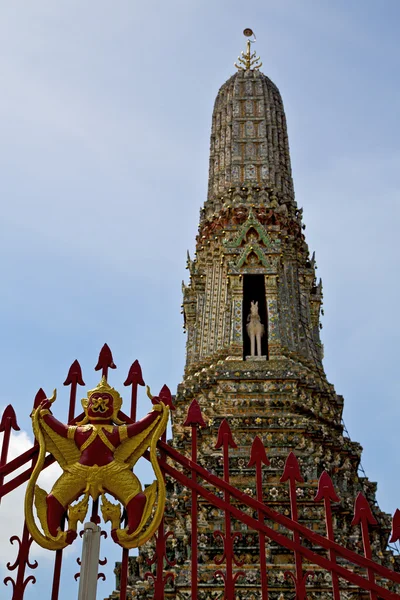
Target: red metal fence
(311,551)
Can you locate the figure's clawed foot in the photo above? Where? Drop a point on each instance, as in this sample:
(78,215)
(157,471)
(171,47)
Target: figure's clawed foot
(71,536)
(135,510)
(55,513)
(114,536)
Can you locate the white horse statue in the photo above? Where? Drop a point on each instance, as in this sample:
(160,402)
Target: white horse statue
(255,329)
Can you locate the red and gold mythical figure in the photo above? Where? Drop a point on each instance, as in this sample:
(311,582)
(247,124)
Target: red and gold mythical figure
(97,457)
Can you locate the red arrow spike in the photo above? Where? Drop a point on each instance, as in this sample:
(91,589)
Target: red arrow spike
(326,489)
(224,429)
(40,396)
(105,361)
(134,379)
(166,397)
(9,420)
(258,454)
(291,470)
(194,416)
(135,374)
(395,527)
(362,511)
(74,374)
(74,378)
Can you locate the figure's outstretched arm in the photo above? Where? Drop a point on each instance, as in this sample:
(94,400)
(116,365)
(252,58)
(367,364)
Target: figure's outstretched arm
(51,421)
(141,425)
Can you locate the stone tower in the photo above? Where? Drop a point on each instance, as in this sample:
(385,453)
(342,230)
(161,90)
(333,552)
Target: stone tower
(251,248)
(250,244)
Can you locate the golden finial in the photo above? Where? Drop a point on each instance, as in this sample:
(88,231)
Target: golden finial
(248,60)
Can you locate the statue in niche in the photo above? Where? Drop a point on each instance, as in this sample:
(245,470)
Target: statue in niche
(255,329)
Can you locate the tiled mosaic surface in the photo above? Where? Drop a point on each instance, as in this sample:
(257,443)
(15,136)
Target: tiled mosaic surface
(250,224)
(249,140)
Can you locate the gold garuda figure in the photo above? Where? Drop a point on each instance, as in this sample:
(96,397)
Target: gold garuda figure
(97,457)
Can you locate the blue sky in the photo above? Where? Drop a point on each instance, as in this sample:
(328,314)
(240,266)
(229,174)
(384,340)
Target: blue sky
(105,117)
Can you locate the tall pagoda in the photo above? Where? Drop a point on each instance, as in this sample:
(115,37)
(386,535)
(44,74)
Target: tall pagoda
(254,356)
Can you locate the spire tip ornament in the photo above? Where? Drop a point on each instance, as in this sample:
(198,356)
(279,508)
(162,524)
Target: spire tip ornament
(248,61)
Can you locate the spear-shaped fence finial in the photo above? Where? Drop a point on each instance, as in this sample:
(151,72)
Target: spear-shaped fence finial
(134,379)
(105,361)
(327,493)
(194,416)
(74,378)
(258,457)
(225,437)
(363,515)
(8,422)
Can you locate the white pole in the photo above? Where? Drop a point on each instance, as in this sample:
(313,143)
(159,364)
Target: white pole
(90,562)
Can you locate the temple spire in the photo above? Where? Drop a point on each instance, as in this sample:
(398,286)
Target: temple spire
(248,61)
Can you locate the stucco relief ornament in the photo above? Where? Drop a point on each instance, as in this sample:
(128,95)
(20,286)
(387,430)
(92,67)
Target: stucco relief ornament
(97,457)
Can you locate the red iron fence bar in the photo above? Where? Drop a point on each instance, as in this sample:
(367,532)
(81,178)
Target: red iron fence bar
(258,457)
(292,474)
(363,514)
(24,546)
(8,422)
(160,557)
(225,441)
(57,575)
(194,420)
(327,492)
(74,378)
(160,578)
(134,379)
(16,463)
(306,545)
(22,561)
(268,512)
(286,522)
